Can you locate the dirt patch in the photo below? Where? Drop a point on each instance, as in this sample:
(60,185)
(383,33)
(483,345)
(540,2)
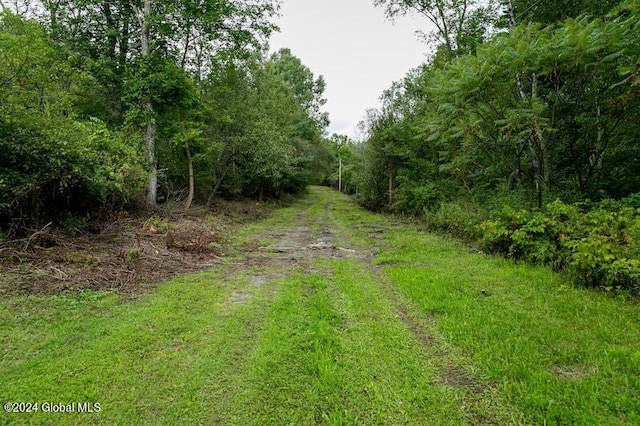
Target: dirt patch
(308,239)
(458,377)
(571,373)
(243,295)
(290,249)
(290,240)
(240,297)
(129,255)
(258,281)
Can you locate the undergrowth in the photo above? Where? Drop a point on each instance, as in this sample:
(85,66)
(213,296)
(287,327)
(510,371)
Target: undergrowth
(594,244)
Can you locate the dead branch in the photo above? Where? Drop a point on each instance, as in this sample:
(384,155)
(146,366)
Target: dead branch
(26,246)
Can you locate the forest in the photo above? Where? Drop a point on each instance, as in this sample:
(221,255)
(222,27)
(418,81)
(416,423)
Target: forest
(116,105)
(520,133)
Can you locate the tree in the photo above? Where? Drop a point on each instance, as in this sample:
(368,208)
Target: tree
(51,162)
(552,11)
(100,90)
(460,24)
(307,89)
(539,111)
(125,40)
(557,125)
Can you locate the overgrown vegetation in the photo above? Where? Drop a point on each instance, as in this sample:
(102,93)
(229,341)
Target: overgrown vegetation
(100,102)
(597,245)
(507,118)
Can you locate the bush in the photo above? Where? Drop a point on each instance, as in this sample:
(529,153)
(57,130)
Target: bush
(597,248)
(414,198)
(52,163)
(457,218)
(74,167)
(605,247)
(73,225)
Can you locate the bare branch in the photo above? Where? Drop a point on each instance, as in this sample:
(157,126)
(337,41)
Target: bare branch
(26,246)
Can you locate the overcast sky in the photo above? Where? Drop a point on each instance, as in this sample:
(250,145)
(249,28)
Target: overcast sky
(354,47)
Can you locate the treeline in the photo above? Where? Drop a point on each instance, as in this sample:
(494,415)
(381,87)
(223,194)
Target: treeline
(108,105)
(515,110)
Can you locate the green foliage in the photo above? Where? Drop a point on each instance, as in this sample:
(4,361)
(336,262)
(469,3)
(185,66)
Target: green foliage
(598,247)
(79,93)
(49,158)
(540,111)
(160,80)
(528,116)
(416,198)
(457,218)
(262,138)
(73,225)
(542,106)
(347,152)
(550,11)
(460,24)
(307,89)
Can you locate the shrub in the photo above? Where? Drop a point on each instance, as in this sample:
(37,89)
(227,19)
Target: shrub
(413,198)
(605,247)
(497,234)
(73,225)
(597,248)
(457,218)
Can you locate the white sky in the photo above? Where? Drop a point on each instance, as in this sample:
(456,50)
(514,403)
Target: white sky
(354,47)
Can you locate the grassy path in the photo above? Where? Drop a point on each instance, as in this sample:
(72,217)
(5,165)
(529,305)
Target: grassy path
(327,314)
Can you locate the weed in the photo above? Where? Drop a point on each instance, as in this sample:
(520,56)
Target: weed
(73,225)
(132,255)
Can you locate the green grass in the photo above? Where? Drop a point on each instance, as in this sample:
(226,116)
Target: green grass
(332,352)
(559,354)
(153,361)
(428,332)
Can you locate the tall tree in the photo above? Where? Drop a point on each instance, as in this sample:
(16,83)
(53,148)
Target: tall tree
(459,24)
(144,16)
(53,162)
(307,89)
(131,40)
(551,11)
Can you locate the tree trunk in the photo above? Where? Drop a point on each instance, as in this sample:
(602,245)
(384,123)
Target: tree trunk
(541,151)
(152,165)
(445,29)
(189,199)
(150,133)
(340,175)
(538,150)
(218,183)
(391,185)
(511,12)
